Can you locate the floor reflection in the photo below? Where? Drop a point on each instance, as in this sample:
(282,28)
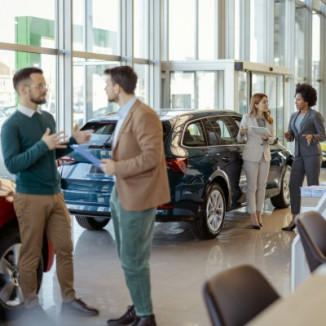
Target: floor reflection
(179,265)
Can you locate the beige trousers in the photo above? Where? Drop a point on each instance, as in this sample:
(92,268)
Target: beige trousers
(37,215)
(257,173)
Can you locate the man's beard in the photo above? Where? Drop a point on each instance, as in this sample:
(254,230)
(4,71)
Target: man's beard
(38,101)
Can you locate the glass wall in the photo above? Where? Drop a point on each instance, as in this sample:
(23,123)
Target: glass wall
(196,90)
(181,36)
(316,73)
(89,96)
(8,66)
(273,87)
(207,40)
(28,22)
(142,89)
(279,32)
(258,32)
(243,92)
(141,29)
(92,30)
(300,43)
(182,90)
(141,33)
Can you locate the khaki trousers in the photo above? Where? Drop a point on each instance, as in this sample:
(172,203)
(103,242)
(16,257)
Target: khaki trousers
(37,215)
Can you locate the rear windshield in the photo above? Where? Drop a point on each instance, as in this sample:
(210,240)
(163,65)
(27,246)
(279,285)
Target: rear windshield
(103,132)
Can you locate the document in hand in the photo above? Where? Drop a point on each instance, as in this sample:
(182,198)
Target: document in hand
(81,150)
(260,130)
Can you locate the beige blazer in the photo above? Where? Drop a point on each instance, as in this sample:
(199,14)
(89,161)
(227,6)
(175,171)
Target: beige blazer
(255,146)
(140,170)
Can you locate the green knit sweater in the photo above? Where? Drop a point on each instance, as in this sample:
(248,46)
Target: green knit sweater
(27,156)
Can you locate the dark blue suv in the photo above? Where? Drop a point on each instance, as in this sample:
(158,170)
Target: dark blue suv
(204,164)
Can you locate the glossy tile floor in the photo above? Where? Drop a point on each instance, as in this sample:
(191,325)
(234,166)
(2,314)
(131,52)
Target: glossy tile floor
(179,265)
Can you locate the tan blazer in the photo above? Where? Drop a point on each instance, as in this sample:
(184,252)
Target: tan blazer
(255,146)
(141,175)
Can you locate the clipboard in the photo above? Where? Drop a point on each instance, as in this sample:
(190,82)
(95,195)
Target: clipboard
(260,130)
(82,151)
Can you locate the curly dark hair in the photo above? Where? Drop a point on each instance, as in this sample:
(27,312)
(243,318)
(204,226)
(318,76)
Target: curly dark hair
(308,93)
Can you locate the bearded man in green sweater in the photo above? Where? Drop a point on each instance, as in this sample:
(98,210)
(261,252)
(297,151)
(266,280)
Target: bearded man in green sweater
(30,146)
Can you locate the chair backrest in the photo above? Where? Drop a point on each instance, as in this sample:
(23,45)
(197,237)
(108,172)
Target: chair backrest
(237,295)
(312,229)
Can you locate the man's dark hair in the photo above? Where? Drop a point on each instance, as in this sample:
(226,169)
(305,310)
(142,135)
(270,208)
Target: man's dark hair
(308,93)
(124,76)
(24,74)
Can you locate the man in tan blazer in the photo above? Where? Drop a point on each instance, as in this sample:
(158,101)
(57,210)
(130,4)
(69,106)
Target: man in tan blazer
(138,164)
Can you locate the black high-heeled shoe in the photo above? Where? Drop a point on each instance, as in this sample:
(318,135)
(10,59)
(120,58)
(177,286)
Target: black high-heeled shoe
(256,227)
(260,224)
(289,228)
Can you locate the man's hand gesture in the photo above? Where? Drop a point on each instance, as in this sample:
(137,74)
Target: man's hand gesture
(54,141)
(82,136)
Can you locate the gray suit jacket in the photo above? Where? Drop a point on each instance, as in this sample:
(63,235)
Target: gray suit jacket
(313,124)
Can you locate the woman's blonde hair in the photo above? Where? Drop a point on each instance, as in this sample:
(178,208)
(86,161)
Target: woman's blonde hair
(255,99)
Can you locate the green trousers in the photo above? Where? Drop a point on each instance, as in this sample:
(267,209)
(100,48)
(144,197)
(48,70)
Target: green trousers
(134,236)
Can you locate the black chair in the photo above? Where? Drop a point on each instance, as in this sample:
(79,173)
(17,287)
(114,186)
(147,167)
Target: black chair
(312,229)
(237,295)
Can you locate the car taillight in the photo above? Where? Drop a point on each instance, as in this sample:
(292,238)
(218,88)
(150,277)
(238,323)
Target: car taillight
(177,165)
(165,207)
(65,160)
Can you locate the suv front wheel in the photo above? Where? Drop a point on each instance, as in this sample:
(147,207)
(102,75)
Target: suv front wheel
(210,223)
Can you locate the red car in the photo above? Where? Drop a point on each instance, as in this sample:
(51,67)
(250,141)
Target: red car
(11,300)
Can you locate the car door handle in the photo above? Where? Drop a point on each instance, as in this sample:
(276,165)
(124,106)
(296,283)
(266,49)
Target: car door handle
(225,159)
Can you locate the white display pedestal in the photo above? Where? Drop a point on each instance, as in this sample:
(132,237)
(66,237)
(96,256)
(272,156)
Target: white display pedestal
(299,266)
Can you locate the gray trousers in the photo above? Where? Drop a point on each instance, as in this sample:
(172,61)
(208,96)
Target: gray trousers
(303,166)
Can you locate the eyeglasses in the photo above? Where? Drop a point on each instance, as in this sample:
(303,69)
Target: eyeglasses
(41,86)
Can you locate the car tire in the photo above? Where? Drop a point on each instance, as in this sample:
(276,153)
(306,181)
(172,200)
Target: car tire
(11,301)
(92,223)
(210,223)
(282,200)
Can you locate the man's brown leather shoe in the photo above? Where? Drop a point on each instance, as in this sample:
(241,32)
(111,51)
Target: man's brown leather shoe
(78,307)
(144,321)
(125,319)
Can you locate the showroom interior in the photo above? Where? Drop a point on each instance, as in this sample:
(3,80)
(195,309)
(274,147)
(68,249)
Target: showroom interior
(190,55)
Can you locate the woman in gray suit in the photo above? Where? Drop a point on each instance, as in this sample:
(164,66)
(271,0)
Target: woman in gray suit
(256,154)
(307,128)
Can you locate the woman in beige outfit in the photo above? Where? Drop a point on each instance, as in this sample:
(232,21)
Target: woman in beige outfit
(256,154)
